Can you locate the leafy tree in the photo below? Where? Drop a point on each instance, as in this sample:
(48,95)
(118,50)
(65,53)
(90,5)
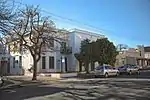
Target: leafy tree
(85,53)
(83,56)
(34,33)
(101,50)
(79,57)
(106,51)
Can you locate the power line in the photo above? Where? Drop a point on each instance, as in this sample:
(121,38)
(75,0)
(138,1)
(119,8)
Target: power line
(68,19)
(73,20)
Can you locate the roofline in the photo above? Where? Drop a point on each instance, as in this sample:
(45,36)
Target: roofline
(86,32)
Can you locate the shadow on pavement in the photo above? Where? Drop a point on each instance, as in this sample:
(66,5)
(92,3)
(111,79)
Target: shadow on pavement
(82,90)
(111,90)
(92,90)
(26,92)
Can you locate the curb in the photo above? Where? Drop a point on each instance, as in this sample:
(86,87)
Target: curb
(14,83)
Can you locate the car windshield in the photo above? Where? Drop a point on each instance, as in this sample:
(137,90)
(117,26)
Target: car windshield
(122,67)
(99,68)
(108,67)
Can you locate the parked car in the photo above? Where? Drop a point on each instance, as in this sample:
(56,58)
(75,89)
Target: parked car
(1,81)
(106,71)
(129,69)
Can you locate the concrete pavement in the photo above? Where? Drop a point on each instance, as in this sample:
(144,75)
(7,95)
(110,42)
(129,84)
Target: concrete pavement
(115,88)
(81,90)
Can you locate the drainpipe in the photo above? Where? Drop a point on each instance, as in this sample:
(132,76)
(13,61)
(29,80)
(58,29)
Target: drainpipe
(61,64)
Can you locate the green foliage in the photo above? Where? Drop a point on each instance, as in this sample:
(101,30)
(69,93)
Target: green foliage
(106,51)
(83,56)
(101,50)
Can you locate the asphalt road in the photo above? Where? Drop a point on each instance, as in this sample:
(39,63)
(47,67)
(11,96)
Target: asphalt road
(116,88)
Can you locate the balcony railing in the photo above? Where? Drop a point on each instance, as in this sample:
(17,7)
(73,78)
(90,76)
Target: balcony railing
(66,50)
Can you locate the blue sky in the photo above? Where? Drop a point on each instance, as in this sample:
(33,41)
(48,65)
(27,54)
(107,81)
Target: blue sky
(122,21)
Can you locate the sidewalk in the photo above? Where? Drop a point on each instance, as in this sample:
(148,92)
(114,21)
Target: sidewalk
(28,79)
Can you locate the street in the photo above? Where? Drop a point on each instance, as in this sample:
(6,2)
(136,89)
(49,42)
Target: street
(115,88)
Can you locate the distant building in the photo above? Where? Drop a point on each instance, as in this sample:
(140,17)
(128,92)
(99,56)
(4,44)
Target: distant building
(137,56)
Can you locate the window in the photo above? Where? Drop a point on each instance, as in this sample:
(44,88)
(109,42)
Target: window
(51,62)
(140,53)
(13,62)
(20,61)
(43,62)
(52,42)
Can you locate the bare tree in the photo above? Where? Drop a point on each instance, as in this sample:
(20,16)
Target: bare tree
(34,32)
(121,47)
(7,15)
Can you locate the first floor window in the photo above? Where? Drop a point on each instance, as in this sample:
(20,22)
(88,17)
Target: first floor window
(43,62)
(14,62)
(51,62)
(20,61)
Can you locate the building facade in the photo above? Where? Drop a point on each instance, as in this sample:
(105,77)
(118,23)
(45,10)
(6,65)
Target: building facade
(8,64)
(55,60)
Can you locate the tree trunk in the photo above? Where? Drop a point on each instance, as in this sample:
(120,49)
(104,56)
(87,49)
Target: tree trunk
(34,69)
(92,65)
(87,67)
(80,66)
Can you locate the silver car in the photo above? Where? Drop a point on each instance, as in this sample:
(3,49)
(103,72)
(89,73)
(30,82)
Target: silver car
(1,81)
(129,69)
(106,71)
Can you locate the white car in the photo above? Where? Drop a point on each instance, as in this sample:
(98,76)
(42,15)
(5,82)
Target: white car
(106,71)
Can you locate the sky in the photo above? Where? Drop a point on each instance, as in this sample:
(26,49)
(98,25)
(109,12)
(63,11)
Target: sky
(122,21)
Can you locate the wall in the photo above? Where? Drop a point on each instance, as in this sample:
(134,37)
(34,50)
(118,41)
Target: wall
(47,69)
(127,57)
(76,37)
(141,49)
(27,62)
(147,55)
(17,69)
(131,52)
(131,60)
(11,69)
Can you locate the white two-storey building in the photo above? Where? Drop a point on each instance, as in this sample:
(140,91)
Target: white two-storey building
(55,60)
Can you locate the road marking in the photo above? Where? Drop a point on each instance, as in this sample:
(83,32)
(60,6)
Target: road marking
(9,91)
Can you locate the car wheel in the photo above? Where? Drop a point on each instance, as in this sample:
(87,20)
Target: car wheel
(138,72)
(117,74)
(106,75)
(95,76)
(130,72)
(2,83)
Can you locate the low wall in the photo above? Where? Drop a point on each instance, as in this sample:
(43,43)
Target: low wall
(63,75)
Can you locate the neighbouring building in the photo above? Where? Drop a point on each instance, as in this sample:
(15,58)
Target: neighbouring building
(8,65)
(55,60)
(139,56)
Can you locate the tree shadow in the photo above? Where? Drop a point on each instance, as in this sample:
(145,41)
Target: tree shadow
(104,90)
(26,92)
(116,90)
